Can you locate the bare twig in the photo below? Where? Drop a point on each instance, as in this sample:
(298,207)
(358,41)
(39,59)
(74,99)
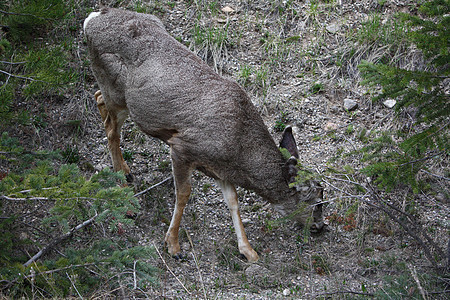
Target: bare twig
(406,227)
(173,274)
(74,286)
(422,159)
(412,224)
(409,224)
(12,63)
(416,279)
(437,176)
(65,268)
(25,199)
(196,263)
(134,275)
(30,190)
(18,76)
(153,186)
(47,199)
(22,14)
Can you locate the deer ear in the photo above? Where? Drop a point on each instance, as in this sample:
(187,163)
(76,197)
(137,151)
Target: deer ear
(290,169)
(288,142)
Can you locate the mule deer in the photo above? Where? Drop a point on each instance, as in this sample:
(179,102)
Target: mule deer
(208,121)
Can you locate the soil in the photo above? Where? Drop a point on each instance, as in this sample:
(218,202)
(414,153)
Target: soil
(305,87)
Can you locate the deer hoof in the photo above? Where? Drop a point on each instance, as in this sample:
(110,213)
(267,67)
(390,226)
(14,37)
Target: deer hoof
(251,256)
(179,256)
(129,177)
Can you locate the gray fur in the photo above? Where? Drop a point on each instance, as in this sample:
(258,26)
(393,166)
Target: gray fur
(208,121)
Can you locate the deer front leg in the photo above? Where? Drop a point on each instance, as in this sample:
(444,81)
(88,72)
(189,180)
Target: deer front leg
(113,121)
(181,175)
(231,198)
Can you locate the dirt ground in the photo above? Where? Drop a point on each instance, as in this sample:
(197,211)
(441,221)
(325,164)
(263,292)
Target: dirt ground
(300,73)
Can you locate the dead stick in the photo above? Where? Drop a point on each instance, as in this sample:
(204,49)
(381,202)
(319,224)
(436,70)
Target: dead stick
(153,186)
(408,230)
(25,199)
(412,221)
(160,256)
(196,262)
(60,239)
(416,279)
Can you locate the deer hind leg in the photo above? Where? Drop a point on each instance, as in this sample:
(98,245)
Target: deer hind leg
(113,121)
(231,197)
(182,174)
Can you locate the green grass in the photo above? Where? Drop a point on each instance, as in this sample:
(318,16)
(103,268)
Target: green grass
(391,32)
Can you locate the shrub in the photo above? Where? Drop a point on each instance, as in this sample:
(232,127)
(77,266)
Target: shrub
(397,157)
(84,220)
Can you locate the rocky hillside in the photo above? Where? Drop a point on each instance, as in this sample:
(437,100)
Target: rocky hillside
(298,61)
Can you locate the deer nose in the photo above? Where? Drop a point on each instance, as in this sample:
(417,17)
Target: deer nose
(317,227)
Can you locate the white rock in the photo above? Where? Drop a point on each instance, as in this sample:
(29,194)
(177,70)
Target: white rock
(333,28)
(389,103)
(286,292)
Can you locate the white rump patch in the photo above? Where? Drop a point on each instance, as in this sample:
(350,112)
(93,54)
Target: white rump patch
(91,16)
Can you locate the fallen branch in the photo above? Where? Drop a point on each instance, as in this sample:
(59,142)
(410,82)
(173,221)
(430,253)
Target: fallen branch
(416,279)
(60,239)
(435,175)
(153,186)
(18,76)
(196,263)
(12,63)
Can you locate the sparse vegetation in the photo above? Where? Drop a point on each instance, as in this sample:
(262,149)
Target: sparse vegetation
(385,171)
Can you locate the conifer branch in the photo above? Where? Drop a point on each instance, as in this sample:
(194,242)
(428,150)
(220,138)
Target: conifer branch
(421,159)
(23,15)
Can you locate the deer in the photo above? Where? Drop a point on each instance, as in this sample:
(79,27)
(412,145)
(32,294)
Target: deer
(208,121)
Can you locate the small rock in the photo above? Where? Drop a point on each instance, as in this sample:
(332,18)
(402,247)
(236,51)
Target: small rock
(100,167)
(389,103)
(286,292)
(350,104)
(330,126)
(227,9)
(246,221)
(333,28)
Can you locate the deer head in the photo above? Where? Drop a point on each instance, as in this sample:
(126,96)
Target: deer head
(304,200)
